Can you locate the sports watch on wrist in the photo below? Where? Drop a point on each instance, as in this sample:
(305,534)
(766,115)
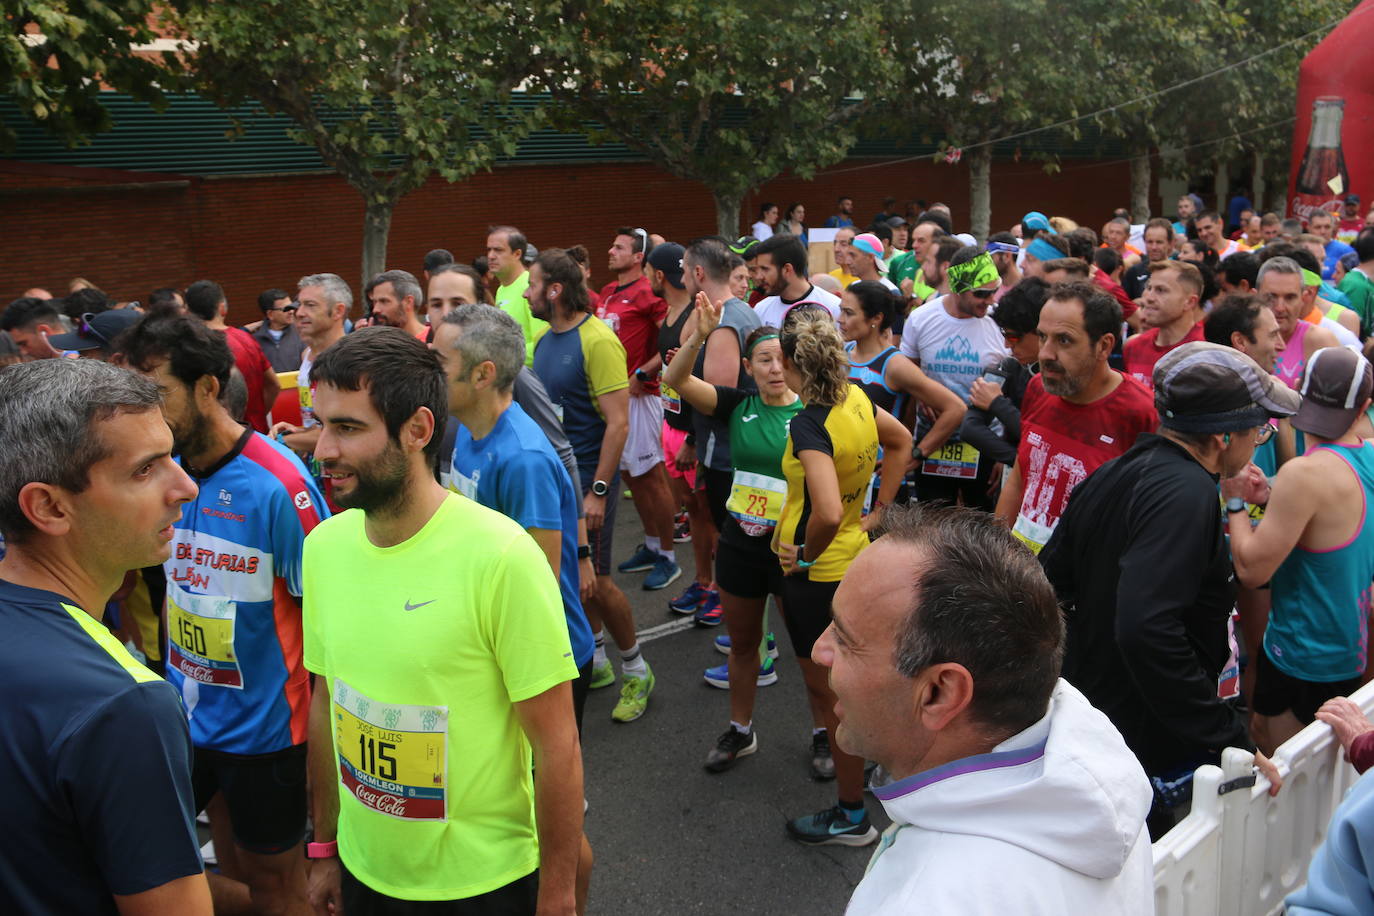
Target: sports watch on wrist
(1235,504)
(600,488)
(584,551)
(643,376)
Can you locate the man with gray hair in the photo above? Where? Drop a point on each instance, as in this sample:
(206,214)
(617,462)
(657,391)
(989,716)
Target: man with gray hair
(395,298)
(951,681)
(1280,283)
(502,459)
(323,302)
(97,761)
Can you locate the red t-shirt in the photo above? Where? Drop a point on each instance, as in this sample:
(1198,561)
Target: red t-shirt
(634,313)
(1062,443)
(1140,353)
(248,356)
(1128,305)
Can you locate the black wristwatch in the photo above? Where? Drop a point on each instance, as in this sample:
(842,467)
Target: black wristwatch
(600,488)
(643,376)
(1235,504)
(916,453)
(584,551)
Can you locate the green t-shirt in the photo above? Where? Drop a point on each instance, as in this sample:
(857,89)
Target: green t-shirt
(758,438)
(511,299)
(426,647)
(905,267)
(1360,290)
(758,431)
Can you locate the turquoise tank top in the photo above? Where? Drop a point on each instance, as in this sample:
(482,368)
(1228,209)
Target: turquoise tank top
(1318,623)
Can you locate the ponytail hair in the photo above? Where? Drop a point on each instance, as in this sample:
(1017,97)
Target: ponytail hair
(812,343)
(876,301)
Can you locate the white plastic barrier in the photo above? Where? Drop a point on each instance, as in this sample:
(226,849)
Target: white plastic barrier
(1241,853)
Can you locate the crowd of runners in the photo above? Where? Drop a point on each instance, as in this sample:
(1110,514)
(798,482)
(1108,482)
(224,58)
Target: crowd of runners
(1049,520)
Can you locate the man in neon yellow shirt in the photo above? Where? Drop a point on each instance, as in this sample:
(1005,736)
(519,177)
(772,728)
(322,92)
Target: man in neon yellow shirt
(436,695)
(506,247)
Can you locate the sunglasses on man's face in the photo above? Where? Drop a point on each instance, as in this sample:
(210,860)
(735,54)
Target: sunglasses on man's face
(285,308)
(982,293)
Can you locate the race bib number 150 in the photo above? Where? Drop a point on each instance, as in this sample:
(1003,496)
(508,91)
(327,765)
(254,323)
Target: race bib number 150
(201,637)
(392,757)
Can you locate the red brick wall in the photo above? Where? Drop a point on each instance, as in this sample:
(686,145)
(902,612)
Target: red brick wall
(251,233)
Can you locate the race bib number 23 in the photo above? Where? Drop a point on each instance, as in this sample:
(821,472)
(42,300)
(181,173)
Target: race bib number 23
(392,757)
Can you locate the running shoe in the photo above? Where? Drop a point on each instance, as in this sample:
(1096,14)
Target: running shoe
(634,696)
(690,600)
(822,761)
(665,572)
(719,676)
(832,827)
(709,614)
(602,676)
(730,747)
(682,529)
(723,645)
(642,560)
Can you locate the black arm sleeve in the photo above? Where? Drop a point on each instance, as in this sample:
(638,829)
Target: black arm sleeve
(727,399)
(1167,554)
(126,772)
(977,433)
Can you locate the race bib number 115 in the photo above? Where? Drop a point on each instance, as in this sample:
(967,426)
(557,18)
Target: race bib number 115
(392,756)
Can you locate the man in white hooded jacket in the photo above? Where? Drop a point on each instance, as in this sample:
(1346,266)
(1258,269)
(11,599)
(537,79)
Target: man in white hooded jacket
(1012,794)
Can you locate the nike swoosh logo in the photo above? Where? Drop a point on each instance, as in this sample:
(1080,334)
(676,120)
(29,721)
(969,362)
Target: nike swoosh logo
(411,607)
(752,416)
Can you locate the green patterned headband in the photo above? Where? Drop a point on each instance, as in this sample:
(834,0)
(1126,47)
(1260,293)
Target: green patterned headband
(972,274)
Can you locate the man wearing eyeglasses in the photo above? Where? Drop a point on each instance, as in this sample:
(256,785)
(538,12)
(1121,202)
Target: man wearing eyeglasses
(1076,415)
(276,334)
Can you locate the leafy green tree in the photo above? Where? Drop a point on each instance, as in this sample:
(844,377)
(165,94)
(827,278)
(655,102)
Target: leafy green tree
(999,72)
(727,93)
(388,91)
(55,55)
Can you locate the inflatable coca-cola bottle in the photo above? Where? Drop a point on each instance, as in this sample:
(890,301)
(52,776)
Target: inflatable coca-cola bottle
(1322,177)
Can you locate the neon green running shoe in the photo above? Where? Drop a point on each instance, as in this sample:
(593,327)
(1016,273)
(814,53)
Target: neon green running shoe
(602,676)
(634,696)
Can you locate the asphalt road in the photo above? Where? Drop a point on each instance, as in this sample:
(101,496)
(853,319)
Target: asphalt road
(671,838)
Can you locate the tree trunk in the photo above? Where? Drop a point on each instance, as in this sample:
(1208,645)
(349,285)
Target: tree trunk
(1140,184)
(376,229)
(1277,168)
(1221,181)
(727,212)
(980,192)
(1259,180)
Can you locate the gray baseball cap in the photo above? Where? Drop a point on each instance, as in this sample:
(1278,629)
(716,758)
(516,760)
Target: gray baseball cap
(1209,388)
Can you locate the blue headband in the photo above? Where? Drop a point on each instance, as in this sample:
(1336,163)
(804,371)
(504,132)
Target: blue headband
(1044,251)
(1003,247)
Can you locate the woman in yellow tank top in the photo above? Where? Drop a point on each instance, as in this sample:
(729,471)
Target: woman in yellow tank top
(832,450)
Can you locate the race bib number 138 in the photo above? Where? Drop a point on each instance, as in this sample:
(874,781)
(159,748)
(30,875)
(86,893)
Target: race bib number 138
(392,757)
